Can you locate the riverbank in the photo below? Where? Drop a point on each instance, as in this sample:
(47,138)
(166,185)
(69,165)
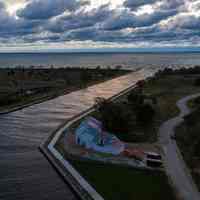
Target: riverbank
(166,88)
(20,88)
(58,159)
(162,92)
(24,130)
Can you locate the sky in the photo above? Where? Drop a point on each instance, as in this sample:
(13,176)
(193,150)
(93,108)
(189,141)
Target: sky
(34,25)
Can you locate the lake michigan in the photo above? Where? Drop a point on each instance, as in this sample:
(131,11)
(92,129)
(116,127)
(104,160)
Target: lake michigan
(92,60)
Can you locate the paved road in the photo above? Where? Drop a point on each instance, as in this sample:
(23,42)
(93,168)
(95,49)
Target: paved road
(24,172)
(175,166)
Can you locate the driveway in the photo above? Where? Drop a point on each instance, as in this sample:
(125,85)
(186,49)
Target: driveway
(175,166)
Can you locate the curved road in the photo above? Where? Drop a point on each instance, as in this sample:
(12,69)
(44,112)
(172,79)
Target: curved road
(174,163)
(24,172)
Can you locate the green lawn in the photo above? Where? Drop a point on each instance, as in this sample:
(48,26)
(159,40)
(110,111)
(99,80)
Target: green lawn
(169,89)
(122,183)
(188,140)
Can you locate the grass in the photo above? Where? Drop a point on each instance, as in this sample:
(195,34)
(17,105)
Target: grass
(188,140)
(168,90)
(117,183)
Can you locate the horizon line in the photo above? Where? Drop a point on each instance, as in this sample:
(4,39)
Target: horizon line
(112,50)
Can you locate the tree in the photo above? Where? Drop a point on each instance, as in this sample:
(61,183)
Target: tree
(85,76)
(113,116)
(136,98)
(145,114)
(197,82)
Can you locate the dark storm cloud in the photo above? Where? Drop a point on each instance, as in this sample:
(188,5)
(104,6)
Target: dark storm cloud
(45,9)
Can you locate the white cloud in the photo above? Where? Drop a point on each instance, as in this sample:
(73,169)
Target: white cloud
(158,22)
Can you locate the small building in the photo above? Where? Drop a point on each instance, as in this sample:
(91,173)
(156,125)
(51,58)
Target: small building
(90,135)
(153,159)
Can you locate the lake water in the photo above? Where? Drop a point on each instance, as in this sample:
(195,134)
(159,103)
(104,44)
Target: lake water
(127,60)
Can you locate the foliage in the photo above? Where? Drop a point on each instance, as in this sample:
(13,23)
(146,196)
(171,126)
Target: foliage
(181,71)
(197,82)
(145,114)
(197,101)
(85,76)
(187,135)
(144,111)
(122,118)
(136,98)
(114,116)
(191,118)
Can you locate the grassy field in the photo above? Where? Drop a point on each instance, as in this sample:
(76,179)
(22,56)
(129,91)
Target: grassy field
(118,183)
(188,140)
(168,90)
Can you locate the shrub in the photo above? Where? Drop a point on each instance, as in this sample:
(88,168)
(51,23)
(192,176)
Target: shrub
(114,116)
(197,82)
(145,114)
(192,118)
(136,98)
(197,101)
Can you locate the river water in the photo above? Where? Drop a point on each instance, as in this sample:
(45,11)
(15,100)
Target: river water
(24,172)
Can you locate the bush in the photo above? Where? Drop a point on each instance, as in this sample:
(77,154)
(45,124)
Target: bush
(145,114)
(192,118)
(197,101)
(6,101)
(114,116)
(197,82)
(136,98)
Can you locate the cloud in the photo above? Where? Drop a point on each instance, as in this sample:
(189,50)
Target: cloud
(12,27)
(172,4)
(127,19)
(79,19)
(135,4)
(45,9)
(60,21)
(186,22)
